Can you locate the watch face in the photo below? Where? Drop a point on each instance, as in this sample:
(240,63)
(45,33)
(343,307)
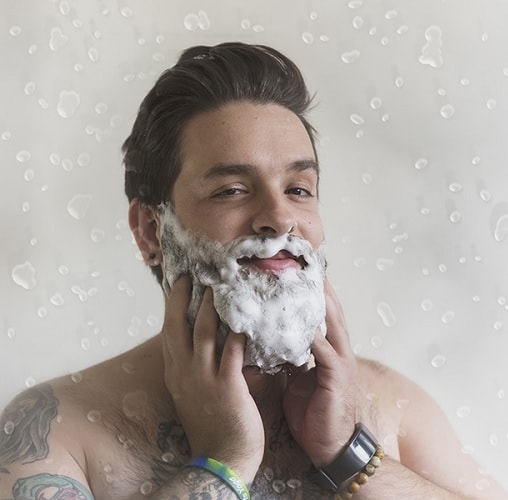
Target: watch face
(355,456)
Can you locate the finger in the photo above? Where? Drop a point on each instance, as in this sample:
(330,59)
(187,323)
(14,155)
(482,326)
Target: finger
(176,332)
(233,354)
(337,333)
(205,332)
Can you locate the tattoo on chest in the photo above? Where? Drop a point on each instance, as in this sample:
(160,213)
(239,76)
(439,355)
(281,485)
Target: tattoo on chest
(26,424)
(50,487)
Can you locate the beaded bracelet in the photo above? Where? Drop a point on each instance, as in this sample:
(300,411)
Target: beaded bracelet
(363,476)
(223,472)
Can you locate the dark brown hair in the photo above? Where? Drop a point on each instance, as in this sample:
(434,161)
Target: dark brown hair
(204,78)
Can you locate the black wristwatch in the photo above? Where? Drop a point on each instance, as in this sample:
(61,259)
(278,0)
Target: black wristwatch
(350,461)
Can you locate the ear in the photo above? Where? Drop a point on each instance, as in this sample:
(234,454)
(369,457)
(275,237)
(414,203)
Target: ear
(145,226)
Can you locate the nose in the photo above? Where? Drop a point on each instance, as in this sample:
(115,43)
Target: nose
(274,216)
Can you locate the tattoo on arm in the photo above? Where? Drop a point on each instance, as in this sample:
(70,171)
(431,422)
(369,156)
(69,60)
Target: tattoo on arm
(50,487)
(25,425)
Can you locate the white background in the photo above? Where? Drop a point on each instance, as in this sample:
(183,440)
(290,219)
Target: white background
(412,101)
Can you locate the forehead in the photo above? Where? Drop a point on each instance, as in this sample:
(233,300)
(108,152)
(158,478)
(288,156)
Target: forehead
(246,133)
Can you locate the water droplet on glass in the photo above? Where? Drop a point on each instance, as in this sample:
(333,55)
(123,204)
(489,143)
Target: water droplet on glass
(78,205)
(491,104)
(399,82)
(421,163)
(94,416)
(128,367)
(57,39)
(465,81)
(384,41)
(427,305)
(9,427)
(493,439)
(455,187)
(431,51)
(268,474)
(15,31)
(442,268)
(376,341)
(501,394)
(391,14)
(372,31)
(501,229)
(355,4)
(69,101)
(57,299)
(294,483)
(11,333)
(350,57)
(463,411)
(97,235)
(126,12)
(29,382)
(476,299)
(482,484)
(441,92)
(385,117)
(359,134)
(485,195)
(384,264)
(85,344)
(357,119)
(63,270)
(23,156)
(279,486)
(438,361)
(6,136)
(357,22)
(76,377)
(376,103)
(245,24)
(30,88)
(367,178)
(101,108)
(29,175)
(24,275)
(448,317)
(476,161)
(386,314)
(93,54)
(403,29)
(455,217)
(447,111)
(307,37)
(498,325)
(402,403)
(84,159)
(168,457)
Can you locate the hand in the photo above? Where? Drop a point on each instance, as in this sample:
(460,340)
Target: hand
(211,396)
(320,403)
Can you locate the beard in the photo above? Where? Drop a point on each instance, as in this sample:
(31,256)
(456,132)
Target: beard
(278,312)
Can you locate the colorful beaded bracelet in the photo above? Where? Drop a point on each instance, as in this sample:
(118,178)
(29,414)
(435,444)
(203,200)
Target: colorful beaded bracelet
(224,473)
(363,476)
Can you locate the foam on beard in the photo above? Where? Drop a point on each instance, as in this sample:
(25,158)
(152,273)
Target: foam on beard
(279,313)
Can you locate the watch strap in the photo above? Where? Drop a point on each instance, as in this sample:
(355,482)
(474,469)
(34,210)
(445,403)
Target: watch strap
(350,461)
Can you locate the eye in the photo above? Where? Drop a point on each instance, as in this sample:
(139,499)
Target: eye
(300,192)
(232,191)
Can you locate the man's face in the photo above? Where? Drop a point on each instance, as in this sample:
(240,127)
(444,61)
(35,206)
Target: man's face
(245,221)
(248,169)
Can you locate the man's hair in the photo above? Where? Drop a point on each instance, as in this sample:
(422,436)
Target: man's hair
(203,79)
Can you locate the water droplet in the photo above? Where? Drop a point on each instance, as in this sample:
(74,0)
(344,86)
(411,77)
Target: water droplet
(63,270)
(101,108)
(78,205)
(32,49)
(399,82)
(307,37)
(391,14)
(384,264)
(442,268)
(441,92)
(29,382)
(455,187)
(24,275)
(97,235)
(278,486)
(427,305)
(357,119)
(385,117)
(128,367)
(268,474)
(357,22)
(463,411)
(493,439)
(376,103)
(447,111)
(384,41)
(455,217)
(355,4)
(359,134)
(431,52)
(168,457)
(85,344)
(93,54)
(376,341)
(134,404)
(501,229)
(448,317)
(491,104)
(386,314)
(94,416)
(476,161)
(501,394)
(29,175)
(402,403)
(76,377)
(15,31)
(482,484)
(200,20)
(372,31)
(465,82)
(485,195)
(476,299)
(57,39)
(6,136)
(84,159)
(23,156)
(126,12)
(498,325)
(294,483)
(57,299)
(438,361)
(421,163)
(141,41)
(11,333)
(69,101)
(245,24)
(350,57)
(30,88)
(366,178)
(9,427)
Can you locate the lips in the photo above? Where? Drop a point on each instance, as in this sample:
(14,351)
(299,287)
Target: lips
(281,261)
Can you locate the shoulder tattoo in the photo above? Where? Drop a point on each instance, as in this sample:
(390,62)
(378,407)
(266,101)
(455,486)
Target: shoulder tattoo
(25,425)
(50,487)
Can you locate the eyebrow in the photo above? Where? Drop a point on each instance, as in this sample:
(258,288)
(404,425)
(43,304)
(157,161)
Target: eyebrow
(227,169)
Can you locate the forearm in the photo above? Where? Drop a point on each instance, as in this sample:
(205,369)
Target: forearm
(394,480)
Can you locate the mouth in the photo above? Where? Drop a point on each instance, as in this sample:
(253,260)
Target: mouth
(281,261)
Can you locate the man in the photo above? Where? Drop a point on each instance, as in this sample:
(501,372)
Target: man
(221,158)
